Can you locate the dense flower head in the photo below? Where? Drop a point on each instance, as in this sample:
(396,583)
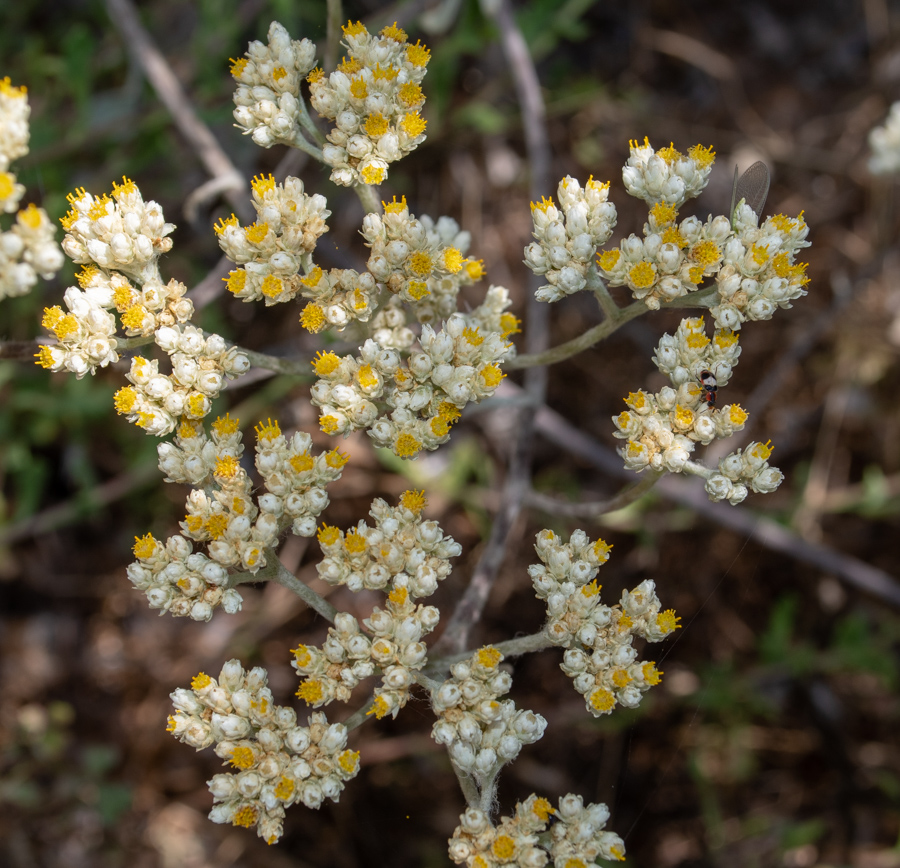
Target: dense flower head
(666,176)
(418,260)
(410,404)
(662,429)
(600,658)
(481,733)
(267,98)
(576,839)
(28,249)
(743,471)
(116,232)
(274,251)
(568,236)
(402,551)
(200,366)
(278,762)
(375,99)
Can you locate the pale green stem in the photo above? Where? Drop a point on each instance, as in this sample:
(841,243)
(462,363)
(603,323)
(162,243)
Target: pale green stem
(628,495)
(333,34)
(309,124)
(489,790)
(596,285)
(275,571)
(468,786)
(360,716)
(294,367)
(368,197)
(299,141)
(604,329)
(696,469)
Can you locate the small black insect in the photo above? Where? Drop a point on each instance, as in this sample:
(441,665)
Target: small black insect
(709,386)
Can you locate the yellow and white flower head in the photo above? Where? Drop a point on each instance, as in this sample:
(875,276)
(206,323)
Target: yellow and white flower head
(374,98)
(419,261)
(758,274)
(663,429)
(671,260)
(568,236)
(424,395)
(191,457)
(480,733)
(274,250)
(337,298)
(28,249)
(267,99)
(179,581)
(576,839)
(742,471)
(600,658)
(200,366)
(401,551)
(85,335)
(294,479)
(666,175)
(279,762)
(120,232)
(884,142)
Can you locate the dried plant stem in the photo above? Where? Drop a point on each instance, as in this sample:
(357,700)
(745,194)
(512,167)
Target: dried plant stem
(628,495)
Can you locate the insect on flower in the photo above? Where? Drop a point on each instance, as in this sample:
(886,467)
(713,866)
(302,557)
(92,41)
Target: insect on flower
(709,388)
(752,187)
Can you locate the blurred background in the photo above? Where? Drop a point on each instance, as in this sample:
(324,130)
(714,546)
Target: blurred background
(772,740)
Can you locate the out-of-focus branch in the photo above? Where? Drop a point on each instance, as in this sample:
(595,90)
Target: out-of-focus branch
(217,163)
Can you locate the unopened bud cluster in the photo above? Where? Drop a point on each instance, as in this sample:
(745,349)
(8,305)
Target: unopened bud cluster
(480,733)
(577,838)
(423,394)
(267,99)
(743,471)
(401,551)
(375,99)
(568,236)
(28,249)
(279,762)
(600,658)
(274,250)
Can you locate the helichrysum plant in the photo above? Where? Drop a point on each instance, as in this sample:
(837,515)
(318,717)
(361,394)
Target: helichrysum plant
(420,362)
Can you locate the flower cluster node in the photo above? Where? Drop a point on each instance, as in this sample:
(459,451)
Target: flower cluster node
(267,99)
(28,249)
(279,762)
(744,471)
(375,99)
(598,639)
(528,839)
(480,733)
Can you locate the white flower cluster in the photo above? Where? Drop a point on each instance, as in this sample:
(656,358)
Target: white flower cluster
(374,99)
(576,839)
(425,393)
(191,458)
(180,581)
(267,100)
(221,512)
(568,236)
(480,733)
(295,481)
(419,261)
(28,249)
(402,551)
(338,296)
(666,175)
(663,429)
(274,249)
(599,656)
(742,471)
(200,366)
(279,762)
(885,144)
(118,233)
(758,274)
